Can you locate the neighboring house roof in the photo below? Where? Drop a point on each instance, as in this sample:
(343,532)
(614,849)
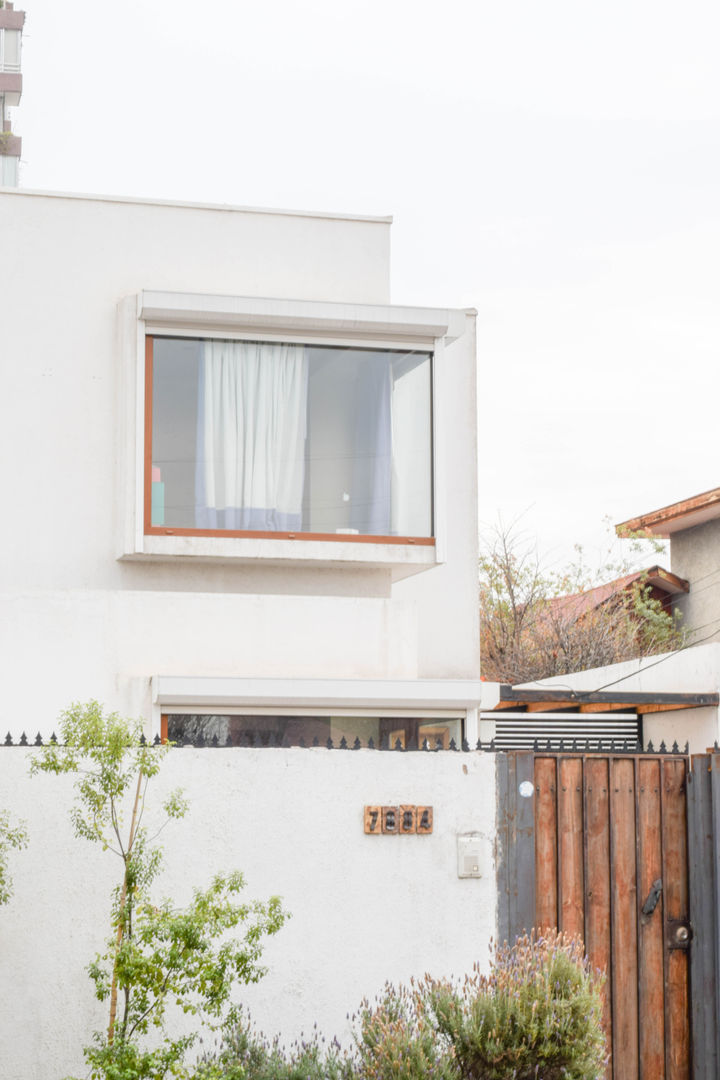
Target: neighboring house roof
(589,701)
(575,605)
(680,515)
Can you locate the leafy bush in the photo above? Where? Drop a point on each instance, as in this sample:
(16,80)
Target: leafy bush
(246,1054)
(11,836)
(536,1016)
(398,1039)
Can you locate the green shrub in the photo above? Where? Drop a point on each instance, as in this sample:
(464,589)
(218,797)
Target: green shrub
(246,1054)
(537,1016)
(398,1039)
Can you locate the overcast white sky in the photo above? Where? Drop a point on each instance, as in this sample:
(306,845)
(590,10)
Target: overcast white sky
(554,164)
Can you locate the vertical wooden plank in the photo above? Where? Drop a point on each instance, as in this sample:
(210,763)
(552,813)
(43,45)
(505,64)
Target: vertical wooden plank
(703,918)
(546,908)
(571,907)
(502,854)
(597,880)
(650,927)
(624,920)
(675,895)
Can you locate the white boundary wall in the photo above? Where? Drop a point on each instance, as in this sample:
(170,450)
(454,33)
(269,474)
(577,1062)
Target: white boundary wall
(364,909)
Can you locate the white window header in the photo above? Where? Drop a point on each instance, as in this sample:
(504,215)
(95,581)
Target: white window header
(240,313)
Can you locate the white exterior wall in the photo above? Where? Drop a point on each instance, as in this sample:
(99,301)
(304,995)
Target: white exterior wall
(364,909)
(695,555)
(80,623)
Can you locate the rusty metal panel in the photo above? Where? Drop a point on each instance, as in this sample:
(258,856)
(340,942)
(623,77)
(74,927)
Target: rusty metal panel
(516,844)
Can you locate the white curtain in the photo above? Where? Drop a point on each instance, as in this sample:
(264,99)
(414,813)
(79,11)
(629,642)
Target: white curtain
(252,415)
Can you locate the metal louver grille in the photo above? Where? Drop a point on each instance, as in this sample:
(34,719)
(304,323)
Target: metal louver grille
(520,730)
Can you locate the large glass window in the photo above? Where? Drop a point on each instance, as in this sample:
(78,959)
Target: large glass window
(266,730)
(277,437)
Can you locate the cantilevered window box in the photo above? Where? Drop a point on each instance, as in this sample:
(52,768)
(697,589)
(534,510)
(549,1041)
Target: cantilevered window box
(288,431)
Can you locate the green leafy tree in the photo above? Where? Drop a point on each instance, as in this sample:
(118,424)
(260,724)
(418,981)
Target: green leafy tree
(159,957)
(12,837)
(536,623)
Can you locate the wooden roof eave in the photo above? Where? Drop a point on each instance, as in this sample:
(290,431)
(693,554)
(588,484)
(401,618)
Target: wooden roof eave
(601,701)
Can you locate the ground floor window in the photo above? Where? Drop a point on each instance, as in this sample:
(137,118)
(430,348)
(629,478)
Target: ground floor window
(301,730)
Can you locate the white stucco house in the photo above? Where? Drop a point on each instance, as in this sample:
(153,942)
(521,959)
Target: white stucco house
(230,458)
(240,503)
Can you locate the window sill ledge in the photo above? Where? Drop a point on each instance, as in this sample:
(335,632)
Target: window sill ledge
(401,559)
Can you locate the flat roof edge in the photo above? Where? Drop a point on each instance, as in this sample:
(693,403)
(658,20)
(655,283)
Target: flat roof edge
(189,204)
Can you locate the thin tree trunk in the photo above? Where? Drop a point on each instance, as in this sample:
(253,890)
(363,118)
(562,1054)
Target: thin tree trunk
(123,898)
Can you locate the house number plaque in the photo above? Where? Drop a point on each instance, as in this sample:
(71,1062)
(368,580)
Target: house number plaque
(398,820)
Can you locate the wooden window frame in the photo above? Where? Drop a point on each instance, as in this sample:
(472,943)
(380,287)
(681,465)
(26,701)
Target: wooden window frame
(341,538)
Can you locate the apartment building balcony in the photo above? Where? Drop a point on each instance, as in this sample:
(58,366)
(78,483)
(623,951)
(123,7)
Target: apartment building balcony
(11,85)
(10,145)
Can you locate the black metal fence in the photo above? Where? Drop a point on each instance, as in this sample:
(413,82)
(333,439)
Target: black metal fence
(273,740)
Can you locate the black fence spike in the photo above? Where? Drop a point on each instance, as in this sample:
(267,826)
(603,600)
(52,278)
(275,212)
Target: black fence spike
(199,740)
(493,748)
(716,747)
(143,740)
(371,743)
(301,742)
(53,739)
(479,745)
(425,744)
(215,742)
(357,745)
(687,747)
(385,742)
(9,742)
(343,743)
(413,743)
(23,739)
(228,739)
(38,739)
(675,747)
(465,745)
(650,748)
(157,740)
(316,741)
(663,747)
(398,745)
(329,743)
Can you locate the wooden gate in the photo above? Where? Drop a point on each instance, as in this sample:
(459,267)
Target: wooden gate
(596,845)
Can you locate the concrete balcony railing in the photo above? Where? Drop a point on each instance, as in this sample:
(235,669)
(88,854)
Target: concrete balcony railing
(10,145)
(11,20)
